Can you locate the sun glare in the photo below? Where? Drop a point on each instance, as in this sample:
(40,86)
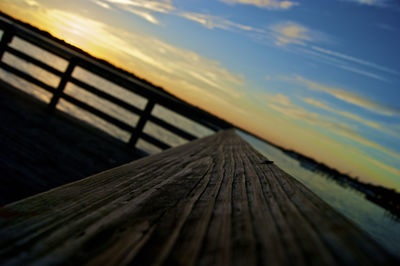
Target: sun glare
(75,29)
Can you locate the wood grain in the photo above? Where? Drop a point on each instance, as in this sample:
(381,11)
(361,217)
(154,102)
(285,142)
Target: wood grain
(212,201)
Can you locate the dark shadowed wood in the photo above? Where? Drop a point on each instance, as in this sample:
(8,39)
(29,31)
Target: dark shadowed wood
(6,38)
(213,201)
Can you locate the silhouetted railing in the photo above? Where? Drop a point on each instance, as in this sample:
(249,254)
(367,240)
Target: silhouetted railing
(76,59)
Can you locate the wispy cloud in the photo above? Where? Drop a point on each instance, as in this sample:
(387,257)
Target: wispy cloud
(354,136)
(102,4)
(370,2)
(341,63)
(143,14)
(384,166)
(32,3)
(287,35)
(282,104)
(391,129)
(357,118)
(363,72)
(141,8)
(162,63)
(268,4)
(290,33)
(211,22)
(147,10)
(350,97)
(303,40)
(355,60)
(161,6)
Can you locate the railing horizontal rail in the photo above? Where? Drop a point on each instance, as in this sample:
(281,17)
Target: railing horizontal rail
(26,76)
(37,40)
(119,78)
(106,96)
(154,141)
(98,113)
(172,128)
(34,61)
(158,96)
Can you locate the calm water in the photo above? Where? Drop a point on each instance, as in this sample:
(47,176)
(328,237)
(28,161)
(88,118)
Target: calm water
(370,217)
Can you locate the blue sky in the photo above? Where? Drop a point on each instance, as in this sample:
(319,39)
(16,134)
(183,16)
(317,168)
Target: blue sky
(320,77)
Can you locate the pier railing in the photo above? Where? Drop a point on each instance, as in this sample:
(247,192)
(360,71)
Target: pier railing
(76,59)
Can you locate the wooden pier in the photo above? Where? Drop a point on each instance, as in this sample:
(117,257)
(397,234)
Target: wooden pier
(40,150)
(213,201)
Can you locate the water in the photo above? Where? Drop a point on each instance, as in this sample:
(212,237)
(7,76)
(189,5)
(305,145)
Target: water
(374,220)
(368,216)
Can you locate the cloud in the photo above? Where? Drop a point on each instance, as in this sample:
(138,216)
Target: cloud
(32,3)
(354,136)
(268,4)
(370,2)
(161,6)
(386,167)
(282,104)
(290,33)
(355,60)
(102,4)
(339,63)
(350,97)
(146,10)
(364,73)
(147,56)
(391,129)
(142,8)
(342,113)
(143,14)
(179,64)
(211,22)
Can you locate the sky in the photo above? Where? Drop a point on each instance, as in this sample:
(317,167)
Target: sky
(321,77)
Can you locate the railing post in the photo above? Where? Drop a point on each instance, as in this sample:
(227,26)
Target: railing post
(7,37)
(63,82)
(140,125)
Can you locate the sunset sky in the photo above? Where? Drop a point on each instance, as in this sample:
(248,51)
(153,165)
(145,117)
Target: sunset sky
(321,77)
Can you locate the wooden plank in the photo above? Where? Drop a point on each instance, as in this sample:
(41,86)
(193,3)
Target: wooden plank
(212,201)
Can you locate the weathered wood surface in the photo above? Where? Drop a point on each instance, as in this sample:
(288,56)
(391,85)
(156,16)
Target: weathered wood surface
(214,201)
